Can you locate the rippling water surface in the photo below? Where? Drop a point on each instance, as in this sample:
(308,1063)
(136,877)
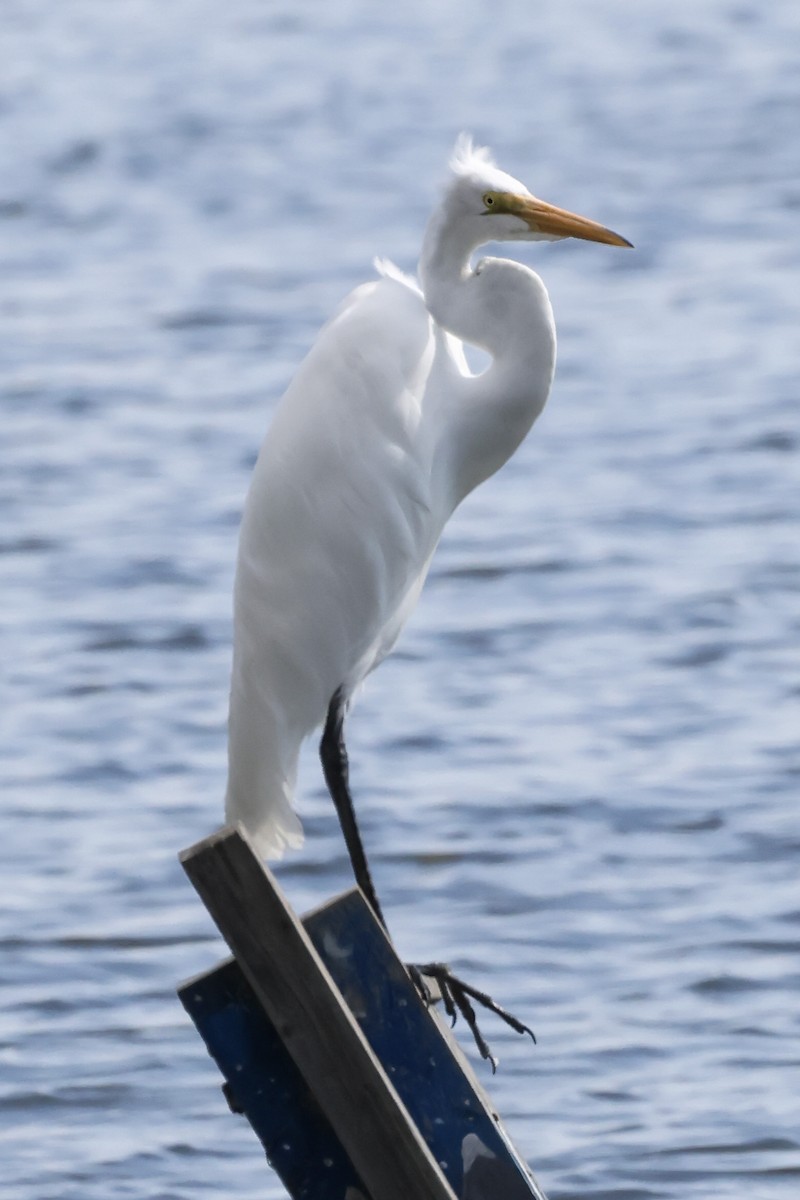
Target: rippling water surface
(578,775)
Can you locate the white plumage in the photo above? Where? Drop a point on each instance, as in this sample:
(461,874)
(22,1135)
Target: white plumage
(380,435)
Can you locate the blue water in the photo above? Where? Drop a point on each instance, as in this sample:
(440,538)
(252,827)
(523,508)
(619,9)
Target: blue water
(578,775)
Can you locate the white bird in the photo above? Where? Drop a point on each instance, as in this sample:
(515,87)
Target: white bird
(380,435)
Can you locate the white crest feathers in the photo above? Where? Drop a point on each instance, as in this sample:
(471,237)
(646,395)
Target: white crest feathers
(467,157)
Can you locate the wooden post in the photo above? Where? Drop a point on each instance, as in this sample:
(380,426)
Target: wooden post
(304,1005)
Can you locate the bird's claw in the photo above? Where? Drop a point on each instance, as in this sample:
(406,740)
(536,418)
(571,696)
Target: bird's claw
(456,997)
(418,980)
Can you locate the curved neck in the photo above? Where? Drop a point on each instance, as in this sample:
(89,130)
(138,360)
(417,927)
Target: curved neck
(445,273)
(502,307)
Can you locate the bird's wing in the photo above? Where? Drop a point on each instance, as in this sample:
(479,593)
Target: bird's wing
(346,460)
(336,531)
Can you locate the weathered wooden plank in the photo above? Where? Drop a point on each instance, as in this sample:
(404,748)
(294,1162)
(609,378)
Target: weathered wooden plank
(265,1085)
(433,1078)
(297,993)
(425,1063)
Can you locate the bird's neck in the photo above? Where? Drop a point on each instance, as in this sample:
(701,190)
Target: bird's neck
(502,307)
(504,310)
(445,275)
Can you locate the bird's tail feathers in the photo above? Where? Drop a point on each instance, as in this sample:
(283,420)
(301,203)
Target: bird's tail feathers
(281,833)
(261,783)
(272,832)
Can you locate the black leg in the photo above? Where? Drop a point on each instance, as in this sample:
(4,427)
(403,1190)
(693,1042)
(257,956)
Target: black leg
(333,753)
(456,994)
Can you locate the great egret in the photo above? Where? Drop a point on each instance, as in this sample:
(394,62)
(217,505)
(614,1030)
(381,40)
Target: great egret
(381,434)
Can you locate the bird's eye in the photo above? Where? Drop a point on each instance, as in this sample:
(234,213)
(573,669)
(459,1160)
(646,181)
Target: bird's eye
(488,200)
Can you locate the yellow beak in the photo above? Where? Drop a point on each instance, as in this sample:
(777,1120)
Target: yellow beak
(546,218)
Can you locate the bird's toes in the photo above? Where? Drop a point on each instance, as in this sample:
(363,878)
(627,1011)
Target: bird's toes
(457,997)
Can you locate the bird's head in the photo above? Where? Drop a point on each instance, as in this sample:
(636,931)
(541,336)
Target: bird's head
(499,208)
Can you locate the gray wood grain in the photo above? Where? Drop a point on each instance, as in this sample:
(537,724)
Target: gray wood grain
(320,1033)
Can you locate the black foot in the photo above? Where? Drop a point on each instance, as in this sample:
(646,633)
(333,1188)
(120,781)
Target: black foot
(456,996)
